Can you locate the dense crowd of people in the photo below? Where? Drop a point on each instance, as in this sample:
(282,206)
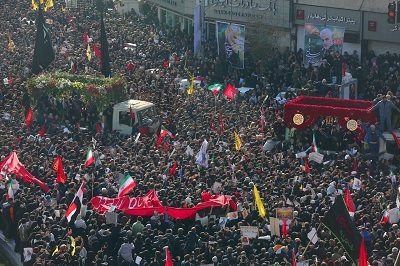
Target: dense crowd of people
(34,219)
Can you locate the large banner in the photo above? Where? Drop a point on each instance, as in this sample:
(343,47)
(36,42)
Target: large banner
(149,203)
(230,39)
(319,39)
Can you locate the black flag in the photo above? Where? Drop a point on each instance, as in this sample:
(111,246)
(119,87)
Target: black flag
(342,227)
(105,57)
(44,53)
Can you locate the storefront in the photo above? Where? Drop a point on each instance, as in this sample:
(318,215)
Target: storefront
(348,19)
(271,12)
(380,36)
(275,13)
(172,13)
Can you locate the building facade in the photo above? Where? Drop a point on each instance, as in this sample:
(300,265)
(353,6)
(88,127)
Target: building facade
(180,13)
(350,20)
(367,19)
(365,22)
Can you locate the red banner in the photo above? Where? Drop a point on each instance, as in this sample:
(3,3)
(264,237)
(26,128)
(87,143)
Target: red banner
(103,204)
(147,205)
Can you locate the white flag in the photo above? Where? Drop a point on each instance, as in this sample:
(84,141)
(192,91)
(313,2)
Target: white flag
(312,235)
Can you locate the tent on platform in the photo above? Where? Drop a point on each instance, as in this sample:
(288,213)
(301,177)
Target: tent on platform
(12,165)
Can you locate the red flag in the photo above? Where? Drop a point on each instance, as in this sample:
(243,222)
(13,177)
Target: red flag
(131,113)
(343,69)
(211,126)
(42,130)
(284,228)
(173,169)
(85,39)
(362,257)
(221,123)
(168,258)
(29,118)
(96,50)
(166,64)
(293,258)
(159,141)
(355,165)
(349,202)
(306,167)
(70,19)
(17,142)
(58,167)
(98,128)
(130,66)
(396,139)
(230,92)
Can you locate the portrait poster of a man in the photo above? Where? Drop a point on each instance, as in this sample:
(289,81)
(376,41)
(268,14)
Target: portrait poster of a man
(231,43)
(319,39)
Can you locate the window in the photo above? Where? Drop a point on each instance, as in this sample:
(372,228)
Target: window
(146,116)
(124,118)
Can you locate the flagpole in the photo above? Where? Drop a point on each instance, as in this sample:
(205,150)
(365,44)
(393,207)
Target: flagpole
(309,242)
(397,262)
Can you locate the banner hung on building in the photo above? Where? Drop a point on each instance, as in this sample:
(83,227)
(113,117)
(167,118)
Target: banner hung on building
(230,39)
(320,39)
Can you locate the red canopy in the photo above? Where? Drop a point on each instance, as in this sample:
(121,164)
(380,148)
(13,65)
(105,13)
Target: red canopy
(12,165)
(313,107)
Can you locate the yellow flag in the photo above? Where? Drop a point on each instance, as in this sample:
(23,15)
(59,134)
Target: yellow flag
(55,251)
(48,4)
(10,44)
(88,53)
(191,86)
(238,141)
(73,246)
(260,205)
(35,6)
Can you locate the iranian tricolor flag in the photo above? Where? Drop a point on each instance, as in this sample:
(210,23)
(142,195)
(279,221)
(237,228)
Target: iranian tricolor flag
(89,157)
(165,132)
(127,185)
(385,218)
(10,191)
(314,143)
(75,206)
(72,64)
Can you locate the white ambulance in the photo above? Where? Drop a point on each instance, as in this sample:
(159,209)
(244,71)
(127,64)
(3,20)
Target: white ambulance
(145,114)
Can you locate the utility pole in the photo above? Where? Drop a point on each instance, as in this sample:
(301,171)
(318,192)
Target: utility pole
(202,27)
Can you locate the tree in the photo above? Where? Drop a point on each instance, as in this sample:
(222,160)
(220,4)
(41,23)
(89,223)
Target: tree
(263,39)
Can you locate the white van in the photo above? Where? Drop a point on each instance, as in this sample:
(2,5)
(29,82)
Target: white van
(145,113)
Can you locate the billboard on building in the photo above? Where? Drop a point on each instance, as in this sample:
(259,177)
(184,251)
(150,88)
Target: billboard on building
(230,39)
(320,39)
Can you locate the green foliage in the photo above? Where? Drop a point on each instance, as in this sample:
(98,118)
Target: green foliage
(99,90)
